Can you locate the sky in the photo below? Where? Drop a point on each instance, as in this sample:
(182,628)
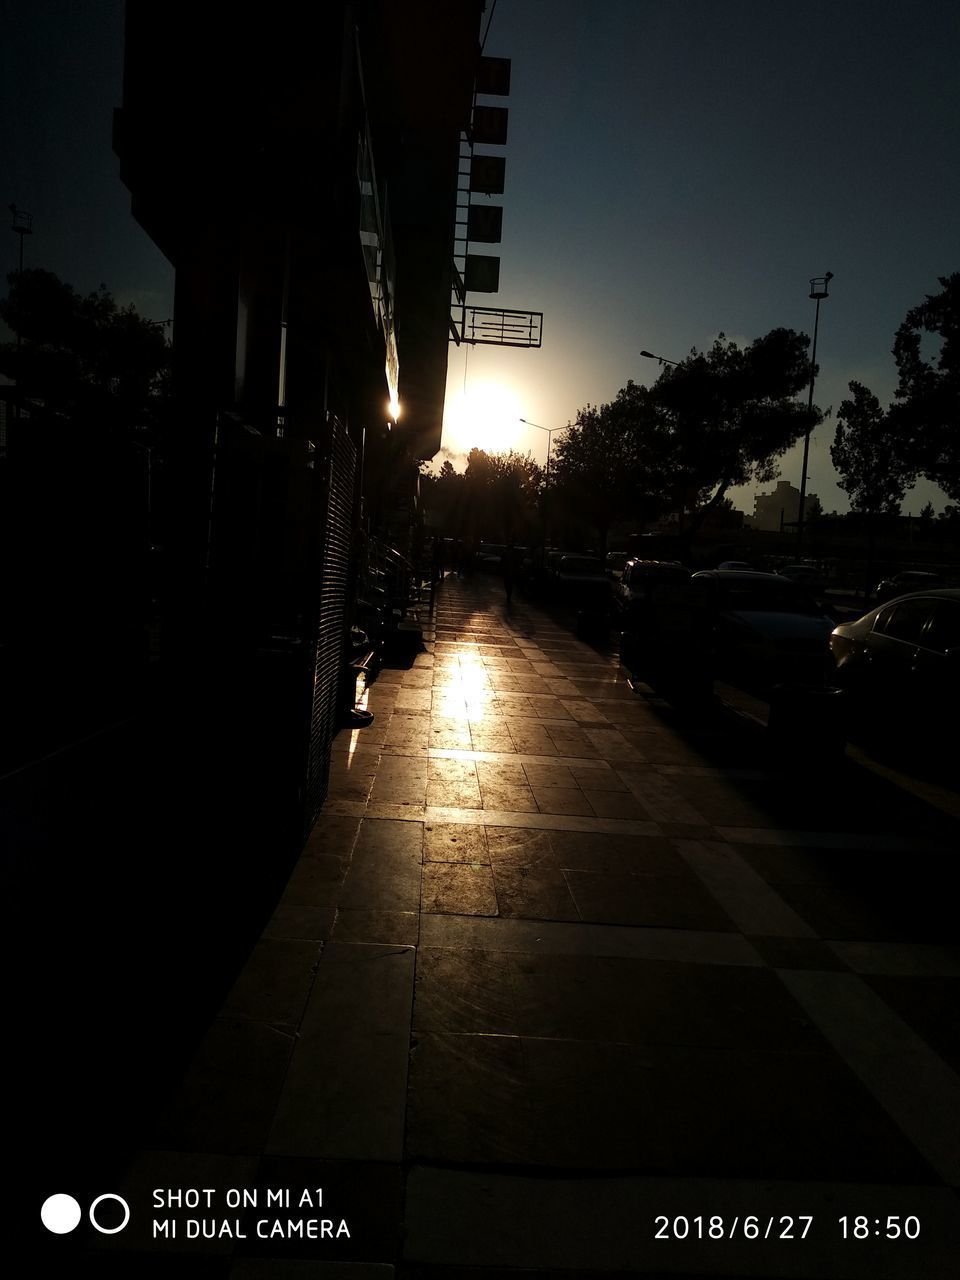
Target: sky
(674,170)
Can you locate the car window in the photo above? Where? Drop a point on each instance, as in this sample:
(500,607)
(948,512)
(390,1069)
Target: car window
(942,631)
(906,620)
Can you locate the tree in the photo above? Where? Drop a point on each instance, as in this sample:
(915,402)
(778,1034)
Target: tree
(728,416)
(602,464)
(500,494)
(928,411)
(83,358)
(866,454)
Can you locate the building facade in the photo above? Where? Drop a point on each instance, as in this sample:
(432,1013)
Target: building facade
(299,168)
(774,511)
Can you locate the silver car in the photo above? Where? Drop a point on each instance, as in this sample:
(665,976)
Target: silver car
(900,663)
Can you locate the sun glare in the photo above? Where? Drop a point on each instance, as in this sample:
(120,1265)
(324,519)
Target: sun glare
(486,416)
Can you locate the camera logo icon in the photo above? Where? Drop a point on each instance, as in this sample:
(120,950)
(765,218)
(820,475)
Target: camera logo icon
(61,1214)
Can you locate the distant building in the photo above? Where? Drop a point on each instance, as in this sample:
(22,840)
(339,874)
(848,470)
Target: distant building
(771,511)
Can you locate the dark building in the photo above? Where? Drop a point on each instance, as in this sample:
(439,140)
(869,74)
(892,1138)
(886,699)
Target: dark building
(298,166)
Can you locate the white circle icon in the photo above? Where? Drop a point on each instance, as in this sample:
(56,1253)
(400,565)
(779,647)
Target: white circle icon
(110,1231)
(60,1214)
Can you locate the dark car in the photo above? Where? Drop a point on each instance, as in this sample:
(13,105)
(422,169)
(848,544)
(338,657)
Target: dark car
(909,580)
(582,583)
(767,630)
(615,562)
(637,582)
(900,664)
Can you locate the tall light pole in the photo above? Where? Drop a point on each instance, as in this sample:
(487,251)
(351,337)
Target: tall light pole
(818,290)
(22,225)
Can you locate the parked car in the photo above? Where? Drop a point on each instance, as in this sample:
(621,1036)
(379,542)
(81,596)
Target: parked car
(582,583)
(636,583)
(736,564)
(900,664)
(666,637)
(908,580)
(615,563)
(767,630)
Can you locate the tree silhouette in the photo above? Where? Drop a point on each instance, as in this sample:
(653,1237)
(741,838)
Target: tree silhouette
(606,465)
(867,455)
(82,358)
(729,415)
(929,390)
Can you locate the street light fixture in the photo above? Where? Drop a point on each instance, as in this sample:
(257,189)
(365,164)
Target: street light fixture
(818,291)
(660,359)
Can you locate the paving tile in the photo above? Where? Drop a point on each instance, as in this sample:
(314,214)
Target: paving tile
(563,800)
(615,804)
(929,1005)
(275,982)
(451,770)
(714,1006)
(500,774)
(385,880)
(454,795)
(560,938)
(300,922)
(229,1093)
(673,901)
(315,882)
(796,953)
(511,799)
(549,775)
(345,1090)
(458,889)
(469,1100)
(616,854)
(661,799)
(748,899)
(463,990)
(401,928)
(597,777)
(513,848)
(454,842)
(534,894)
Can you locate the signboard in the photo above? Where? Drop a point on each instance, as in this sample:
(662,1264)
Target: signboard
(482,274)
(493,76)
(485,223)
(490,125)
(487,174)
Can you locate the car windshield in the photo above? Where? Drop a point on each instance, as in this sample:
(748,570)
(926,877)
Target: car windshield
(758,596)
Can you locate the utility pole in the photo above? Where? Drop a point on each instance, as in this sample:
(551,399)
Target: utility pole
(818,290)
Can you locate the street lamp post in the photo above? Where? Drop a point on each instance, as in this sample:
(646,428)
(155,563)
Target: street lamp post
(818,291)
(22,225)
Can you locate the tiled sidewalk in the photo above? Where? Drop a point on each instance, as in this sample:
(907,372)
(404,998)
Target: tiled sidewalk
(554,963)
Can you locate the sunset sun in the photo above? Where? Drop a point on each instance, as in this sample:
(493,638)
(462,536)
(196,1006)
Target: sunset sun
(486,416)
